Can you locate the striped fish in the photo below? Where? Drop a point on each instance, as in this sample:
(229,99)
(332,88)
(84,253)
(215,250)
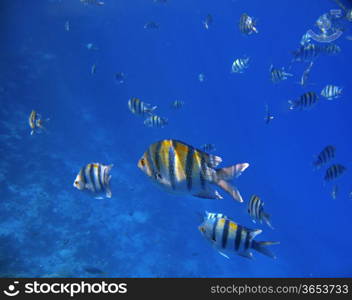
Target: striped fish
(334,171)
(35,122)
(308,52)
(155,121)
(95,2)
(94,177)
(229,237)
(330,49)
(331,92)
(278,75)
(305,101)
(324,156)
(138,107)
(239,65)
(210,215)
(256,211)
(247,24)
(208,147)
(181,168)
(177,104)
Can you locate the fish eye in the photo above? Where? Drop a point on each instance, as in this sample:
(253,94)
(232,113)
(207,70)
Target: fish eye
(142,162)
(76,182)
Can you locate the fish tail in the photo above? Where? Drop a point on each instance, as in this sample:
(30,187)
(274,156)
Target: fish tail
(266,219)
(107,180)
(291,104)
(261,247)
(225,174)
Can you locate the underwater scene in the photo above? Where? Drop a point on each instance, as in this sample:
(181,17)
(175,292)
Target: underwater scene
(175,138)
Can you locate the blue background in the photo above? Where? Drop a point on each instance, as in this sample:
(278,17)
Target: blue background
(50,229)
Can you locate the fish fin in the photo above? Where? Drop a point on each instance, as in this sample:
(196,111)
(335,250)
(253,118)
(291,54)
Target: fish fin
(247,254)
(208,195)
(261,247)
(99,197)
(233,191)
(108,192)
(224,255)
(253,233)
(32,132)
(266,218)
(231,172)
(291,104)
(212,160)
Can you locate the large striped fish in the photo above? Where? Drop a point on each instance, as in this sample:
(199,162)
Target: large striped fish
(229,237)
(181,168)
(138,107)
(94,177)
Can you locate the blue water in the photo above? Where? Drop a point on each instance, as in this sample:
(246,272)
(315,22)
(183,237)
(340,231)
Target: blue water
(50,229)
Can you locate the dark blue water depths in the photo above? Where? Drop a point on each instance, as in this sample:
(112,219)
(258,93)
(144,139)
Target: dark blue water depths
(50,229)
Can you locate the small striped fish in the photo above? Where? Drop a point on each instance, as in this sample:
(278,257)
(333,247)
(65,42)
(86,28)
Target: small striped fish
(181,168)
(278,75)
(35,122)
(247,25)
(155,121)
(324,156)
(308,52)
(305,101)
(334,171)
(177,104)
(331,92)
(239,65)
(256,211)
(95,178)
(330,49)
(208,147)
(138,107)
(229,238)
(209,215)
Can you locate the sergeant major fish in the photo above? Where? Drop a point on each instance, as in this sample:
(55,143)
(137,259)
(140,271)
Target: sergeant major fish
(256,211)
(331,92)
(239,65)
(247,24)
(35,122)
(210,215)
(177,104)
(278,75)
(155,121)
(138,107)
(181,168)
(324,156)
(334,171)
(268,116)
(229,238)
(305,101)
(94,177)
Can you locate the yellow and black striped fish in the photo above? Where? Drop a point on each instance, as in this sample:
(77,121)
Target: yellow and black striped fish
(177,104)
(256,211)
(138,107)
(94,177)
(228,237)
(334,171)
(182,168)
(324,156)
(278,75)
